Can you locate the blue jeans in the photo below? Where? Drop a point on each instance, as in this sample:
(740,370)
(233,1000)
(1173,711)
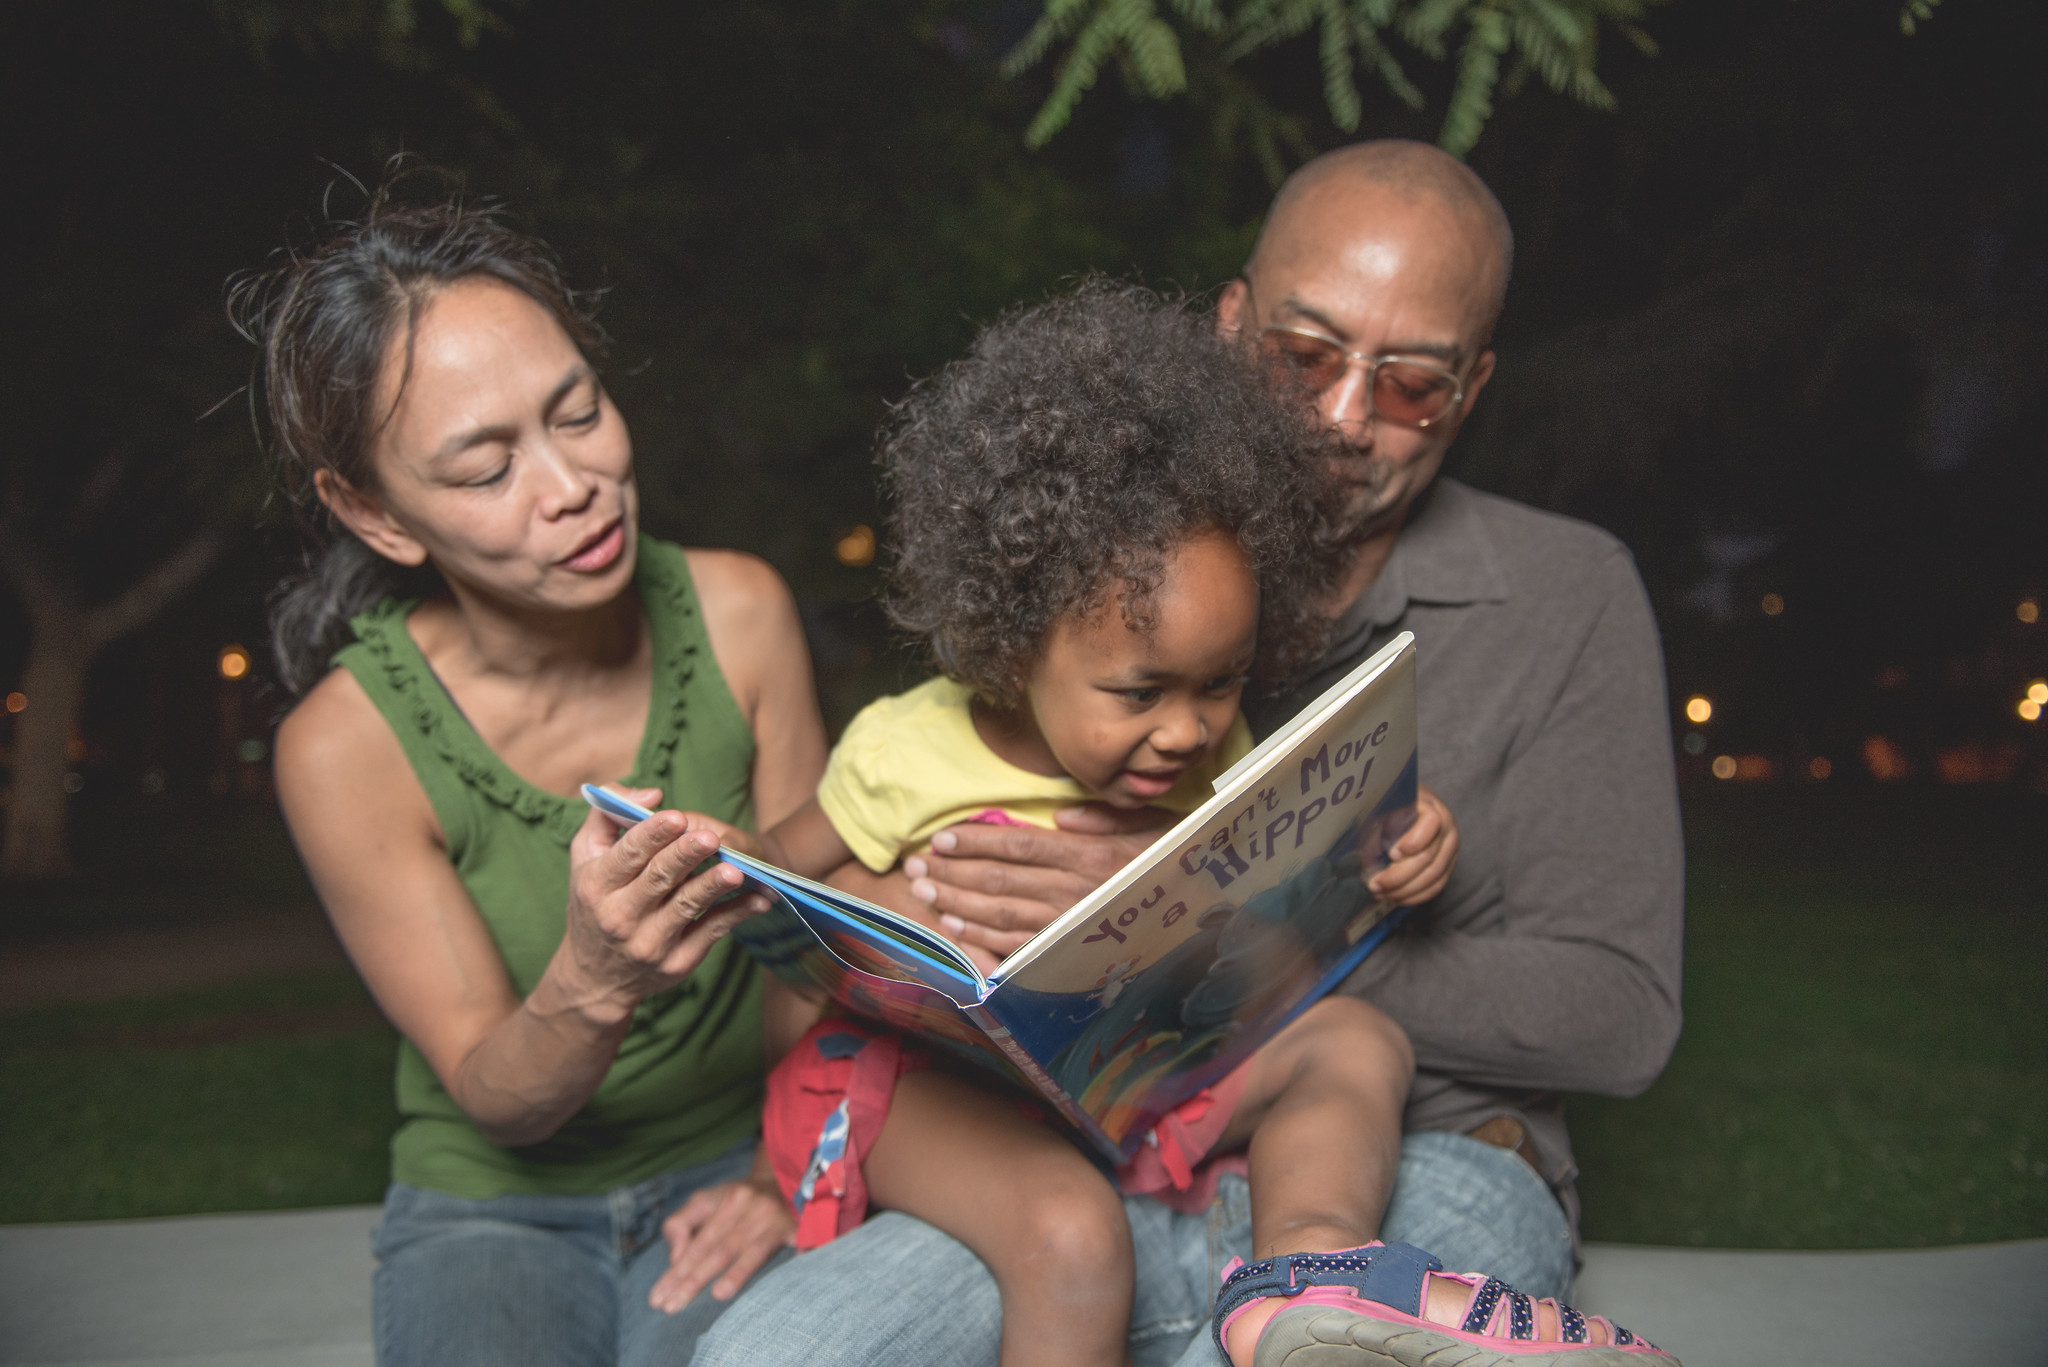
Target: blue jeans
(898,1292)
(551,1281)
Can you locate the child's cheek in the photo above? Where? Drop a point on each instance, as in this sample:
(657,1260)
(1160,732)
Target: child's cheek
(1097,756)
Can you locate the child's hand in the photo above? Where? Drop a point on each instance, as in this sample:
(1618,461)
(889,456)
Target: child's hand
(1419,864)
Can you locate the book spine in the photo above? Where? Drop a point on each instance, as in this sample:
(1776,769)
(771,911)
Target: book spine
(999,1035)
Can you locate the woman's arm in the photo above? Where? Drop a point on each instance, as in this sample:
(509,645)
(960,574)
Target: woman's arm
(377,857)
(758,640)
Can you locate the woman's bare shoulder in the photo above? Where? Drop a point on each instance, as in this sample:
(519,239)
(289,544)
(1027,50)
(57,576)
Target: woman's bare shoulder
(749,612)
(751,617)
(734,583)
(335,747)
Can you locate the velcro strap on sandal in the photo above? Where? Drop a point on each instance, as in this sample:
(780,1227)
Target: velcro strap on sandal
(1521,1316)
(1391,1274)
(1480,1313)
(1572,1324)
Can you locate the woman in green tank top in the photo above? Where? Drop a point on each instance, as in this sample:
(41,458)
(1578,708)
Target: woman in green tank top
(485,630)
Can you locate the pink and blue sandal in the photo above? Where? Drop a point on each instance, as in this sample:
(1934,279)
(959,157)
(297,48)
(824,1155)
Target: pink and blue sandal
(1362,1307)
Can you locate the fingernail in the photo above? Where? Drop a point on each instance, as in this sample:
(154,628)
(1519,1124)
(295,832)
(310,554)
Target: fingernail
(923,890)
(953,924)
(944,842)
(916,867)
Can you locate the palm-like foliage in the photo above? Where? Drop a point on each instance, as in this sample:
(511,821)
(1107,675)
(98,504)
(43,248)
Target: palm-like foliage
(1557,41)
(1494,43)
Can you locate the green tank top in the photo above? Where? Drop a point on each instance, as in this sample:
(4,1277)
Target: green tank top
(686,1085)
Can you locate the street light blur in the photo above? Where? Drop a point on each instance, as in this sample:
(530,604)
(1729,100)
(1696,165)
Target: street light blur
(1773,604)
(856,548)
(2029,611)
(1698,710)
(17,702)
(234,662)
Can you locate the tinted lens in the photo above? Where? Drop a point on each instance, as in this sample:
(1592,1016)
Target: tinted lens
(1307,361)
(1413,394)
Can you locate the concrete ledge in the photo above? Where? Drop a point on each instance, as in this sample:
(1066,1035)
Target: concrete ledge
(292,1289)
(1714,1308)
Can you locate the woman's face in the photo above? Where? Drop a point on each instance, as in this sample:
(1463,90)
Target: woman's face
(503,462)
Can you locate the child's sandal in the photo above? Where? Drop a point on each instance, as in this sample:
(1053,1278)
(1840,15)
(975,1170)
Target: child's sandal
(1364,1306)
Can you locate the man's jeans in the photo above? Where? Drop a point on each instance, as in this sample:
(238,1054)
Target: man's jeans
(552,1281)
(896,1291)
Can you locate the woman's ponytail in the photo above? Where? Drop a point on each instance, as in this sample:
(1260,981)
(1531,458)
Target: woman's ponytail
(310,612)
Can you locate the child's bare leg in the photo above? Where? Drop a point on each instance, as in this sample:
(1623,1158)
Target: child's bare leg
(1322,1107)
(1049,1226)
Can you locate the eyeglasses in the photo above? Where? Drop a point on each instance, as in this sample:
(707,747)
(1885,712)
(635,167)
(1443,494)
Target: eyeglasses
(1400,389)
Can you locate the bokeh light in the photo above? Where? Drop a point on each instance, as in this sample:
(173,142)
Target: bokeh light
(857,547)
(1698,710)
(1820,766)
(1724,766)
(2029,611)
(1773,604)
(1885,760)
(234,662)
(2029,710)
(2037,691)
(17,702)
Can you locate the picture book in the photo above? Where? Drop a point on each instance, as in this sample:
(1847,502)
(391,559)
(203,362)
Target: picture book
(1178,967)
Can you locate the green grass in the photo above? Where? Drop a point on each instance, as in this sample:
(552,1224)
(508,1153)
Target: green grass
(265,1096)
(1865,1056)
(1864,1064)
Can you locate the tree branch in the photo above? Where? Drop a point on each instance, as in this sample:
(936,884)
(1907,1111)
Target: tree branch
(44,589)
(154,591)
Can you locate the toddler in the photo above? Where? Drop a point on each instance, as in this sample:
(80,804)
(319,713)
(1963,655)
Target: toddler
(1106,528)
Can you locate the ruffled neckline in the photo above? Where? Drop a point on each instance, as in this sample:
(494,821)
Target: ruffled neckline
(668,600)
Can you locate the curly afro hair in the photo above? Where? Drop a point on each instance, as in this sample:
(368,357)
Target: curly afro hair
(1076,444)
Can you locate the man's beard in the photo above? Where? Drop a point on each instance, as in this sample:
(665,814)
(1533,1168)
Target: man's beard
(1372,497)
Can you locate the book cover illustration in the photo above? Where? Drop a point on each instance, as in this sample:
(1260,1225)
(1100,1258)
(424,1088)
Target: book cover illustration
(1176,969)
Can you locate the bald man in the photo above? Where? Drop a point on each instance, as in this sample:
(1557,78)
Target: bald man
(1551,961)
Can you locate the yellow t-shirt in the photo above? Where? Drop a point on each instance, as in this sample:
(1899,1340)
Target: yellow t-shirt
(912,765)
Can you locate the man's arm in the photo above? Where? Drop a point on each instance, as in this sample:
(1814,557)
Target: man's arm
(1573,983)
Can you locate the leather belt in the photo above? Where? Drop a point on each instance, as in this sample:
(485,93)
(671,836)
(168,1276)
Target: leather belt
(1506,1132)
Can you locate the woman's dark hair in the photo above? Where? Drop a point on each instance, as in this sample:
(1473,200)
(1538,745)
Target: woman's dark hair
(1075,445)
(326,319)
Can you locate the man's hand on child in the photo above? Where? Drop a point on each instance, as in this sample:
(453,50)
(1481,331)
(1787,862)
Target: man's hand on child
(1419,863)
(994,887)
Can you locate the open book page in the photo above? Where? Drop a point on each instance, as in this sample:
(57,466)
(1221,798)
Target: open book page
(825,943)
(866,936)
(1178,969)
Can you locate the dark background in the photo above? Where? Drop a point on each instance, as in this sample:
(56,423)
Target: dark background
(1778,322)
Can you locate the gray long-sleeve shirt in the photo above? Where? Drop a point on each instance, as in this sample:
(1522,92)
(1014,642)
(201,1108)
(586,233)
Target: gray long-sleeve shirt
(1551,961)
